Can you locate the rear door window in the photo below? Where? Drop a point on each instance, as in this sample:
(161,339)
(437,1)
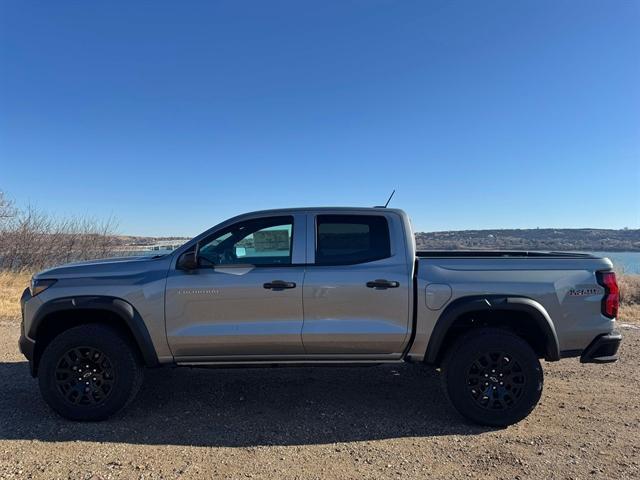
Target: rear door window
(351,239)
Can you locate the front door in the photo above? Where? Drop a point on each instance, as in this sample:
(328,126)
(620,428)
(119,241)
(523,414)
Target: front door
(245,297)
(357,291)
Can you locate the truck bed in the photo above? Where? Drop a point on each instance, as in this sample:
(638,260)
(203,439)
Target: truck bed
(563,285)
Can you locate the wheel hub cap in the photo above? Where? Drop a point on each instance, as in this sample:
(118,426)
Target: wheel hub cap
(495,381)
(84,376)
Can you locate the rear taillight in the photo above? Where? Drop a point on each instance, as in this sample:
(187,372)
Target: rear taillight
(611,299)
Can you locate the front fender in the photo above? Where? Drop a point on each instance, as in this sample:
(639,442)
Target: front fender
(123,309)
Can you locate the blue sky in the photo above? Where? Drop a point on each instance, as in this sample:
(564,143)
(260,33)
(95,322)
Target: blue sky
(172,116)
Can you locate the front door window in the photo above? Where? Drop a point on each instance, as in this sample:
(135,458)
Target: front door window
(259,242)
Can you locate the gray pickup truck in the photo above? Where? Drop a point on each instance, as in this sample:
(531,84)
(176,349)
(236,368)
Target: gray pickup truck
(318,286)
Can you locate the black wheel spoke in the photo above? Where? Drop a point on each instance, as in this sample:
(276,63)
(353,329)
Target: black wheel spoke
(84,376)
(495,380)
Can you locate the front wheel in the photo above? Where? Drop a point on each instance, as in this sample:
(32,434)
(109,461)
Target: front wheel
(492,377)
(89,373)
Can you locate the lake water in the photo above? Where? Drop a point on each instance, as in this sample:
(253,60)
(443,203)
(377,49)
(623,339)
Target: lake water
(626,262)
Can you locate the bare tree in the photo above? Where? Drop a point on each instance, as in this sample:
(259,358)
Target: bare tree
(33,239)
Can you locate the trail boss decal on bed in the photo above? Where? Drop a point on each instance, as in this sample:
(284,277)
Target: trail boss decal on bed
(580,292)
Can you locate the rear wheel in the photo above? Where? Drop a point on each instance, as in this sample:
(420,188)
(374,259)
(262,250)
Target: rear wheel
(89,372)
(492,377)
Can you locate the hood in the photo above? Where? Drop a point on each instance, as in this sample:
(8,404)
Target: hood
(113,266)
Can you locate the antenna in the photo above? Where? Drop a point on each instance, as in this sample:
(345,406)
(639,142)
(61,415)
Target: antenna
(390,197)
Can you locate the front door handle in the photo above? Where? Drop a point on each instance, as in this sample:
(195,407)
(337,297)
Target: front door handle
(381,283)
(279,285)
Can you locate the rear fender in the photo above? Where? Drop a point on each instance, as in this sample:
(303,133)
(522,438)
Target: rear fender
(493,303)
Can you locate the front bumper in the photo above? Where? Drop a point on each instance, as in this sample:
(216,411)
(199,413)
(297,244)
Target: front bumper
(603,349)
(27,346)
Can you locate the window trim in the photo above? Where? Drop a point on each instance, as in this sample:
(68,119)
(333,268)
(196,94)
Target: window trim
(336,264)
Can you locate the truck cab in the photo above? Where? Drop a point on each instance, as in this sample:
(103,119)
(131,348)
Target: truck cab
(293,286)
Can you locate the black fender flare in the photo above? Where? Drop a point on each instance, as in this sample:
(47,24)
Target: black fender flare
(492,303)
(115,305)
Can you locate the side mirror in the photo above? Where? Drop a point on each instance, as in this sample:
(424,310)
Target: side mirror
(187,261)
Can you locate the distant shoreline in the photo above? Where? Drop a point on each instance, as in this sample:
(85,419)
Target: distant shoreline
(556,239)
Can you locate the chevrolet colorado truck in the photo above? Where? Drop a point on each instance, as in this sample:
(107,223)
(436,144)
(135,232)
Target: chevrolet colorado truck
(318,286)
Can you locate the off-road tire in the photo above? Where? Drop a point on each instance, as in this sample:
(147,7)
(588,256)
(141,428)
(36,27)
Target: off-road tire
(117,370)
(500,393)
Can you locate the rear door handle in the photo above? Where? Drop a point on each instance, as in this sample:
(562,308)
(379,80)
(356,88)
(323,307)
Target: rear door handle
(279,285)
(381,283)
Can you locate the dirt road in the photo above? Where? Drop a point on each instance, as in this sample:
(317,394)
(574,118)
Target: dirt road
(374,422)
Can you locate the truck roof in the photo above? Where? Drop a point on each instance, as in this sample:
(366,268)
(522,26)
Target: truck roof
(323,209)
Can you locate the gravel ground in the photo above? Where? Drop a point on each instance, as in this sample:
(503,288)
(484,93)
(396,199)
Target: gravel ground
(372,422)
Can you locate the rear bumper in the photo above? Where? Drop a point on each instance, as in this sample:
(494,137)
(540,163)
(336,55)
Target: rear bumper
(603,349)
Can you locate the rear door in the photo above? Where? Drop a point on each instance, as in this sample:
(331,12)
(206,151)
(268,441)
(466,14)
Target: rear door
(357,285)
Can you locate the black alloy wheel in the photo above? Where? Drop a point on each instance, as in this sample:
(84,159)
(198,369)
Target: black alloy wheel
(496,381)
(85,376)
(492,376)
(89,372)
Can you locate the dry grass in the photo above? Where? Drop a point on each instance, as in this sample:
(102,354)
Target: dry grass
(629,289)
(629,298)
(12,284)
(629,313)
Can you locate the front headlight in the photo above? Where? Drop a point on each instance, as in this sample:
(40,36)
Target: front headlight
(40,285)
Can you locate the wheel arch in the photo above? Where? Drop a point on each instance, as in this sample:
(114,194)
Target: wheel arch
(522,315)
(60,314)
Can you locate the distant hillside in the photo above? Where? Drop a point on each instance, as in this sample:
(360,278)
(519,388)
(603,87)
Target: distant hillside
(577,239)
(559,239)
